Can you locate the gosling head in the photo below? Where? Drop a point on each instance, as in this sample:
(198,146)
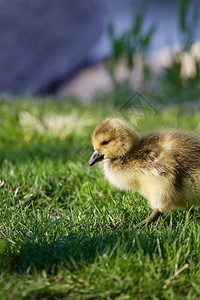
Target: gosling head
(112,139)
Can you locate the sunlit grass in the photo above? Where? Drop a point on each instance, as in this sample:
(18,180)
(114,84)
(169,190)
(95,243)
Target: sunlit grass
(55,236)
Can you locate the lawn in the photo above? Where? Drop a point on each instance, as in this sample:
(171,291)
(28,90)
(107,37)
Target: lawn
(56,241)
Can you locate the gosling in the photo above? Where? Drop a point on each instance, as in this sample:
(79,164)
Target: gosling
(163,166)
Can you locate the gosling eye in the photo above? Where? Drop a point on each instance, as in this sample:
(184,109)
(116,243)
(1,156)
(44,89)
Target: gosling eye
(105,142)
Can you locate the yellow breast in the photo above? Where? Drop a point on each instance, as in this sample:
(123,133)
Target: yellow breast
(122,179)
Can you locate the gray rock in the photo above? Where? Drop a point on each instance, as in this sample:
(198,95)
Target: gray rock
(44,42)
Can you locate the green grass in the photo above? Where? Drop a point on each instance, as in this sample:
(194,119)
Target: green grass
(55,236)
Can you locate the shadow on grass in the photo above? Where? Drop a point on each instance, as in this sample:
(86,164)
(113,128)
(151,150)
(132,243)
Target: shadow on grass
(78,250)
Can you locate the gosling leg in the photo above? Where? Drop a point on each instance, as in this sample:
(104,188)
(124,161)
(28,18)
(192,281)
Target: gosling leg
(153,217)
(191,214)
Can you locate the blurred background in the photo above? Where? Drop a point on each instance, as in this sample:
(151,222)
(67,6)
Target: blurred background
(64,66)
(75,48)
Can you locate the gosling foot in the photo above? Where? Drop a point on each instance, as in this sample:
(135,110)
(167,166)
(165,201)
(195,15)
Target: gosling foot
(153,217)
(191,214)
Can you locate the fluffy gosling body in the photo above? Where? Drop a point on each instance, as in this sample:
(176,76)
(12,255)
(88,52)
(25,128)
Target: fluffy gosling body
(163,166)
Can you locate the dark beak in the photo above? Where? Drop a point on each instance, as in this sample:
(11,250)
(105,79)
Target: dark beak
(95,158)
